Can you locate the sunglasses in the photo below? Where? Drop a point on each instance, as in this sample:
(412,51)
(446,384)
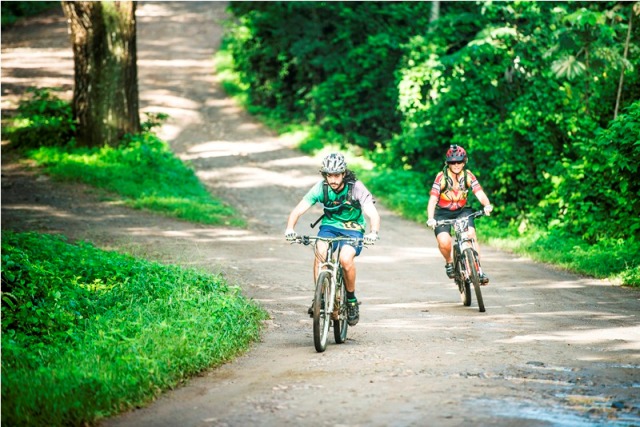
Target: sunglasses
(455,163)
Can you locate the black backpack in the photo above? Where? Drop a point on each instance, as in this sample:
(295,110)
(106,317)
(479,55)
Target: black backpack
(347,200)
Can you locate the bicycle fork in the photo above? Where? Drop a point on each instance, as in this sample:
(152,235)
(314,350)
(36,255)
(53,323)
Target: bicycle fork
(330,304)
(470,244)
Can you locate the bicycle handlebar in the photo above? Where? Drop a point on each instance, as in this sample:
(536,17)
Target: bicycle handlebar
(475,214)
(307,240)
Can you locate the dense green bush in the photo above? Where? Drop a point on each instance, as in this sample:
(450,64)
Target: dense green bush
(14,10)
(42,119)
(88,333)
(326,63)
(142,169)
(528,88)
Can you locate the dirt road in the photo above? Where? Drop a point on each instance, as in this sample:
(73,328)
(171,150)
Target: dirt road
(553,349)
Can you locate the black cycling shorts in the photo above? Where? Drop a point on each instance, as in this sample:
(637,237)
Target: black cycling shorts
(441,214)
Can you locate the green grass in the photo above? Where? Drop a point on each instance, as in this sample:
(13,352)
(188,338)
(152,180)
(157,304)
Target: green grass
(88,333)
(145,174)
(407,193)
(143,171)
(610,259)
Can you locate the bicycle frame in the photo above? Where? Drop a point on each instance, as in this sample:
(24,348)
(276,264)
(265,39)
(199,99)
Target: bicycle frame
(329,265)
(465,259)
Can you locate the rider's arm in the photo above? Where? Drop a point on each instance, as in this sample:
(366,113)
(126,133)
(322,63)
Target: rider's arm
(434,196)
(297,212)
(482,197)
(371,212)
(431,207)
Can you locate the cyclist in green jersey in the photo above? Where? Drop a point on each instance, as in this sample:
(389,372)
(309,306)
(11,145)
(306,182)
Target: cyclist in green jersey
(346,202)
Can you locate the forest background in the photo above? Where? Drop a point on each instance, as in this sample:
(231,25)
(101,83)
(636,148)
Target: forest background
(544,96)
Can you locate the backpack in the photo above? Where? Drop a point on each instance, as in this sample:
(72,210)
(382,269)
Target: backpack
(445,181)
(340,203)
(347,200)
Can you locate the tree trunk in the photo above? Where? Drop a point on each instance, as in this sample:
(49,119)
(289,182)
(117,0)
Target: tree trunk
(626,51)
(435,12)
(105,95)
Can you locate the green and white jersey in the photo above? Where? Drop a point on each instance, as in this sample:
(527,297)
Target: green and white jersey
(342,211)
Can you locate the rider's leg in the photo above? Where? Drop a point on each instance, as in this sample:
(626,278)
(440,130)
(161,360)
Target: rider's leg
(319,258)
(348,262)
(444,244)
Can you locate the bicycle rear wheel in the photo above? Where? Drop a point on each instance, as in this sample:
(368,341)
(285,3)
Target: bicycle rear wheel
(340,324)
(321,317)
(473,266)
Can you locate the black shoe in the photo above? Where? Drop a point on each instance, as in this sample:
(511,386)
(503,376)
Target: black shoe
(484,279)
(310,310)
(449,269)
(353,312)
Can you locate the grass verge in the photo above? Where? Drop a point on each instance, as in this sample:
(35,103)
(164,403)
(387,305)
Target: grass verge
(143,171)
(88,333)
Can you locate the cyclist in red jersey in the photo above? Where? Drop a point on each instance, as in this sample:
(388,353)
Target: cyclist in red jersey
(448,200)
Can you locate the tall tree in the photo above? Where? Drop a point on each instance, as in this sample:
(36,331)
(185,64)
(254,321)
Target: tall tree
(105,95)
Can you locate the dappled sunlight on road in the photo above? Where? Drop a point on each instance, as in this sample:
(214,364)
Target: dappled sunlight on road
(211,149)
(622,338)
(396,255)
(19,65)
(254,177)
(42,210)
(293,162)
(50,61)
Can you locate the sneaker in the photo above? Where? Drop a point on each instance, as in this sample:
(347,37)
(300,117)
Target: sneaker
(310,310)
(484,279)
(353,312)
(449,269)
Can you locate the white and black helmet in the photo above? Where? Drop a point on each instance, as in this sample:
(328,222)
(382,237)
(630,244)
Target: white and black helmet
(334,163)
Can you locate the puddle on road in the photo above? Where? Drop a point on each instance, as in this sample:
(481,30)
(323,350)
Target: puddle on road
(579,411)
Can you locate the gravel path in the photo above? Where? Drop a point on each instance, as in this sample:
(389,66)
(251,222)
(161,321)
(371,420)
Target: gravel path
(552,349)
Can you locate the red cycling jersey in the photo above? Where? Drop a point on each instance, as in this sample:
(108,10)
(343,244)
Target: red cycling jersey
(456,190)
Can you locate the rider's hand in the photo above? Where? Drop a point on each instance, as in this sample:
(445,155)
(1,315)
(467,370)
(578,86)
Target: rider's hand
(431,223)
(488,209)
(290,234)
(371,237)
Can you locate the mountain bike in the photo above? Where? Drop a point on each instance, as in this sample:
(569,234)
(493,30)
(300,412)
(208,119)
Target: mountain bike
(330,296)
(466,263)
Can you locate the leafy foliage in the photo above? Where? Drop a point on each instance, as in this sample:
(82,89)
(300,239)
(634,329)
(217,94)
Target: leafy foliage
(145,172)
(528,88)
(326,63)
(143,169)
(88,333)
(12,11)
(42,120)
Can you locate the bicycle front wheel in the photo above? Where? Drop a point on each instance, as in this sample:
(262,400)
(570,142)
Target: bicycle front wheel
(473,266)
(463,285)
(321,317)
(339,316)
